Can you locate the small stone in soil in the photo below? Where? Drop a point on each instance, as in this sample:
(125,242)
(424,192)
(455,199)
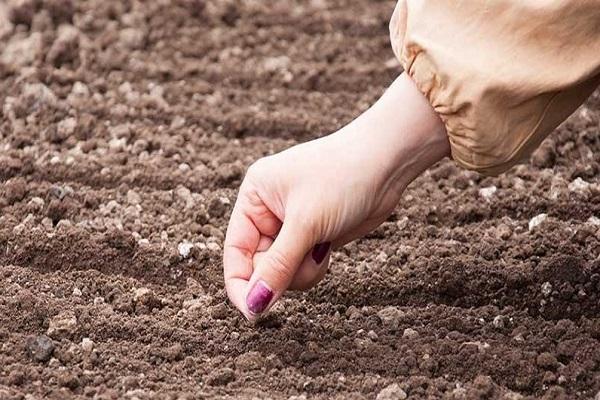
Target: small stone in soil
(499,322)
(87,345)
(133,197)
(410,333)
(60,192)
(546,289)
(487,192)
(220,377)
(537,220)
(40,348)
(184,249)
(579,185)
(63,324)
(392,392)
(390,316)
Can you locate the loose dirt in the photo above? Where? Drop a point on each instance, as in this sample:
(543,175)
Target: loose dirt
(125,130)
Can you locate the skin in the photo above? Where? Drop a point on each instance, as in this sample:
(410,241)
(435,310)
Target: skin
(330,190)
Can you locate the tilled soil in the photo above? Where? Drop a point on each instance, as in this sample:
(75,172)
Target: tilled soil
(125,130)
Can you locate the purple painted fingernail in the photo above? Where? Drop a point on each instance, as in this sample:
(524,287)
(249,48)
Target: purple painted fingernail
(259,297)
(320,251)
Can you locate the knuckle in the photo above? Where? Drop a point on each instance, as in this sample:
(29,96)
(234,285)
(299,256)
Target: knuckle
(257,168)
(280,265)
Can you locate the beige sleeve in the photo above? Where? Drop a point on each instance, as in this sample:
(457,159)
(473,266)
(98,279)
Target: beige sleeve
(502,74)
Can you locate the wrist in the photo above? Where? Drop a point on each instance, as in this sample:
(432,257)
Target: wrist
(401,133)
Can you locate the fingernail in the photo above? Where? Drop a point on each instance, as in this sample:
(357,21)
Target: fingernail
(259,297)
(320,251)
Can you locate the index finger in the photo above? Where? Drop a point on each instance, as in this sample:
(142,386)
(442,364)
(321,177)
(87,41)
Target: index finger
(241,241)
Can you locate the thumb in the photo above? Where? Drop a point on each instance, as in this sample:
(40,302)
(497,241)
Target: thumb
(276,269)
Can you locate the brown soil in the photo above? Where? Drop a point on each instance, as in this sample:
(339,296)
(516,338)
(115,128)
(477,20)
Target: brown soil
(125,130)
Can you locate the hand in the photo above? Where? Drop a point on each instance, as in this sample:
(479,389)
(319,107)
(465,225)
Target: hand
(297,205)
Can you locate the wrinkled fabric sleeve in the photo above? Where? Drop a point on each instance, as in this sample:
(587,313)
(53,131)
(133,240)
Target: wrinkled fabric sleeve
(502,74)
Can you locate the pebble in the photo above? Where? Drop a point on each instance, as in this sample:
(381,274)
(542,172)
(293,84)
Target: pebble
(184,249)
(183,167)
(487,192)
(47,223)
(60,192)
(76,292)
(372,335)
(392,392)
(579,185)
(66,127)
(410,333)
(499,322)
(591,220)
(80,90)
(546,289)
(186,195)
(20,51)
(41,95)
(178,122)
(40,348)
(132,38)
(63,324)
(381,257)
(36,204)
(273,64)
(390,316)
(537,220)
(117,145)
(133,197)
(87,345)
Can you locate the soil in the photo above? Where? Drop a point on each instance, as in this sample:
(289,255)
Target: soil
(125,131)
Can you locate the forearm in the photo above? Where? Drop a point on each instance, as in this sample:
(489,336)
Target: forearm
(402,132)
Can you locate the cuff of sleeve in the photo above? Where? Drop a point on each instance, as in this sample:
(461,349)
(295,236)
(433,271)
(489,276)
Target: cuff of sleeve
(498,95)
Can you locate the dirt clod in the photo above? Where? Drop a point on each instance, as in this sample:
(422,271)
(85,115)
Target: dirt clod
(62,325)
(220,377)
(126,130)
(392,392)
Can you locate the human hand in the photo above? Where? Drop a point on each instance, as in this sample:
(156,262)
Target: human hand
(295,206)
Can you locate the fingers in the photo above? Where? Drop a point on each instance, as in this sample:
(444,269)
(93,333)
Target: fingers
(240,245)
(275,270)
(312,269)
(309,273)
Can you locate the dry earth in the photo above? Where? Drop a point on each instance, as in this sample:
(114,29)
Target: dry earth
(125,130)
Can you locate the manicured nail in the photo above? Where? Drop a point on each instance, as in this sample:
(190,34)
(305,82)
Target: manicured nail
(320,251)
(259,297)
